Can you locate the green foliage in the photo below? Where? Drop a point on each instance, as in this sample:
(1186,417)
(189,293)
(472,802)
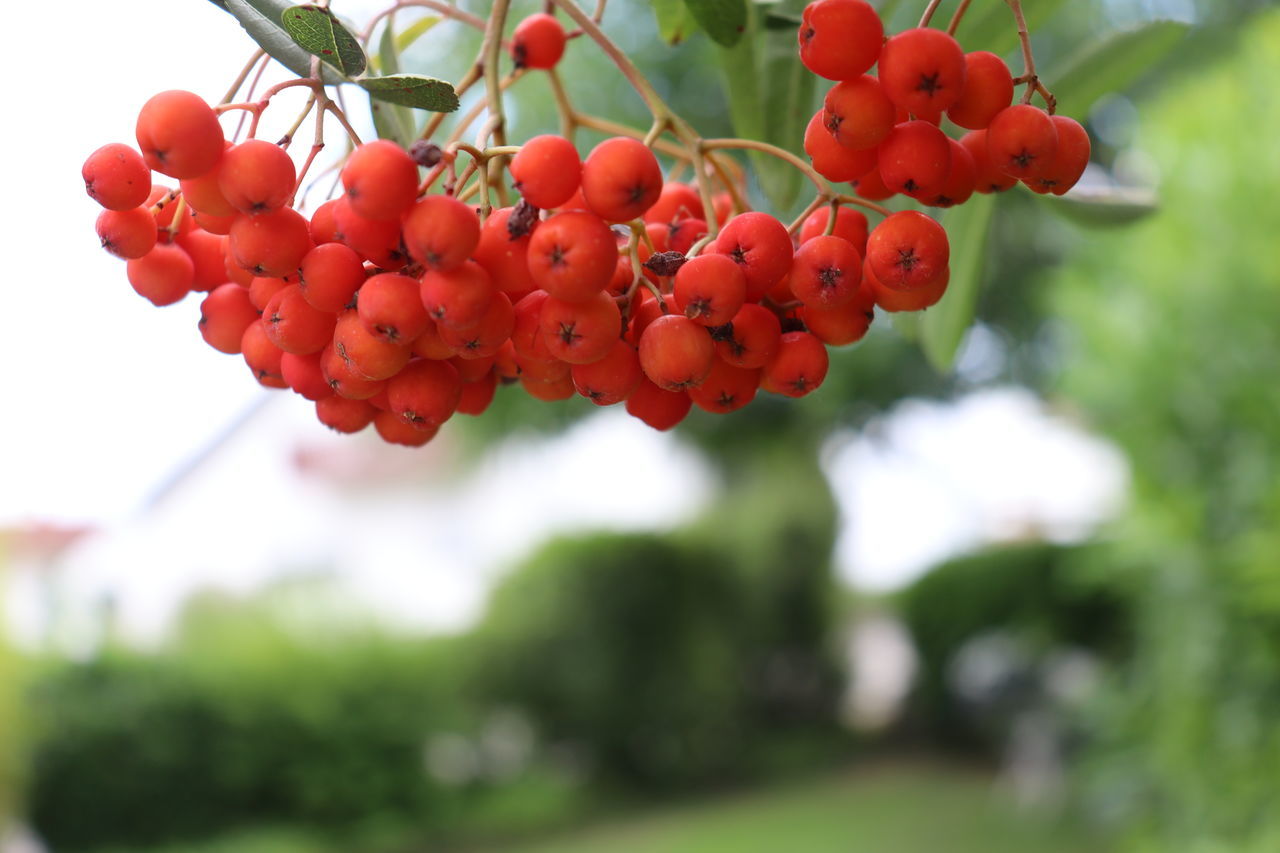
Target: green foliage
(1042,595)
(319,33)
(1113,64)
(968,227)
(724,21)
(1173,354)
(412,90)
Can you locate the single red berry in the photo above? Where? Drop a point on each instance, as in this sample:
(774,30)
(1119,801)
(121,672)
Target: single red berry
(207,257)
(366,356)
(894,300)
(343,415)
(526,334)
(272,243)
(429,344)
(478,394)
(262,288)
(1022,141)
(844,324)
(761,245)
(657,407)
(203,194)
(345,380)
(179,134)
(425,394)
(988,88)
(440,232)
(611,379)
(751,339)
(915,158)
(490,332)
(908,250)
(127,234)
(224,315)
(621,179)
(676,202)
(393,429)
(262,356)
(826,272)
(381,180)
(676,353)
(304,375)
(538,42)
(1069,160)
(457,297)
(293,325)
(922,70)
(547,171)
(573,255)
(163,275)
(710,289)
(376,240)
(324,226)
(871,186)
(961,180)
(116,177)
(504,256)
(858,113)
(329,275)
(799,366)
(682,234)
(580,332)
(471,368)
(390,307)
(256,176)
(832,160)
(727,388)
(840,39)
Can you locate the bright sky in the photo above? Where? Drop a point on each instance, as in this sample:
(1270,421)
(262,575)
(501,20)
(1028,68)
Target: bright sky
(110,395)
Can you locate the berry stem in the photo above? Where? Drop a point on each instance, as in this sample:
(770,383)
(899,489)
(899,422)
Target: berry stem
(928,12)
(244,75)
(862,202)
(957,17)
(1029,61)
(490,51)
(818,202)
(824,188)
(568,116)
(306,111)
(444,9)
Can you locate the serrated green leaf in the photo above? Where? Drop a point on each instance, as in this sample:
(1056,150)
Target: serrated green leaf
(318,32)
(724,20)
(261,20)
(391,121)
(675,21)
(412,90)
(943,326)
(1112,64)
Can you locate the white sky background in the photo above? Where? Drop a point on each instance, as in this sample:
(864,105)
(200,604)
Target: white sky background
(106,395)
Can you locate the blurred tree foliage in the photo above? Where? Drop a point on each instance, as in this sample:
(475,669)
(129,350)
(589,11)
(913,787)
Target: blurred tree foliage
(1172,352)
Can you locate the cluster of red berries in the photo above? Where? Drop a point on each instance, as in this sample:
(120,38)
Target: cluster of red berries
(882,133)
(397,308)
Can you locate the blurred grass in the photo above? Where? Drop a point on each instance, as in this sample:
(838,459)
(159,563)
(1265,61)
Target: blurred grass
(892,807)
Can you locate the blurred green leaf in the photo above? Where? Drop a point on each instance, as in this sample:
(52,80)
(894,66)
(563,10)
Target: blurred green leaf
(907,324)
(412,90)
(788,97)
(414,31)
(724,20)
(317,31)
(261,20)
(675,22)
(1112,64)
(944,325)
(990,25)
(392,121)
(1105,206)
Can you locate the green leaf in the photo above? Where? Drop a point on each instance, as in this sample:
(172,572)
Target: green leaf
(318,32)
(412,90)
(1104,206)
(944,325)
(1112,64)
(724,20)
(391,121)
(788,101)
(675,21)
(907,324)
(991,27)
(261,20)
(411,33)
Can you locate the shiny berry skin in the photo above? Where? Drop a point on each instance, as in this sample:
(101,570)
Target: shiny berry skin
(676,353)
(908,250)
(676,202)
(850,224)
(761,246)
(224,315)
(922,70)
(343,415)
(380,179)
(547,171)
(1069,159)
(611,379)
(425,394)
(262,356)
(988,89)
(127,234)
(573,255)
(538,42)
(858,113)
(179,135)
(484,338)
(293,325)
(986,177)
(621,179)
(391,308)
(893,300)
(826,272)
(960,183)
(116,177)
(710,289)
(844,324)
(477,394)
(458,297)
(832,160)
(751,339)
(1022,141)
(256,176)
(840,39)
(580,332)
(330,275)
(659,408)
(163,275)
(272,243)
(504,257)
(393,429)
(375,240)
(440,232)
(799,366)
(304,375)
(915,158)
(727,388)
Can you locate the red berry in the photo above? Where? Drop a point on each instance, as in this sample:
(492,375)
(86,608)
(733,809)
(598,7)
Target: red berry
(440,232)
(709,289)
(538,42)
(547,171)
(915,158)
(179,134)
(850,224)
(375,240)
(425,394)
(272,243)
(858,113)
(960,183)
(844,324)
(458,297)
(381,180)
(987,178)
(490,332)
(580,332)
(611,379)
(127,234)
(330,275)
(908,250)
(1022,141)
(1069,160)
(659,408)
(504,257)
(676,202)
(390,306)
(478,394)
(840,39)
(832,160)
(367,356)
(676,353)
(293,325)
(988,88)
(751,339)
(262,356)
(922,70)
(224,315)
(163,275)
(621,179)
(393,429)
(303,374)
(116,177)
(343,415)
(256,176)
(573,255)
(826,272)
(760,245)
(727,388)
(893,300)
(799,366)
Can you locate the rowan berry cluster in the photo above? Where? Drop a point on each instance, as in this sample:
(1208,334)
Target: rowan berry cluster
(398,303)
